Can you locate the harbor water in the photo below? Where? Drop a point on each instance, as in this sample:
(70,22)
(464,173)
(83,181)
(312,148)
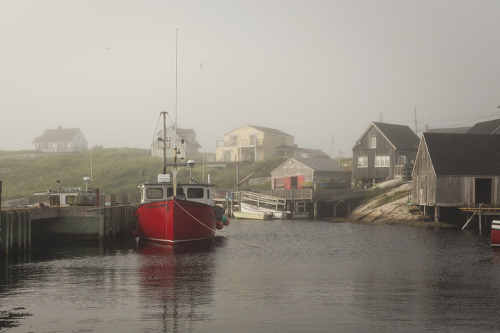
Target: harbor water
(261,276)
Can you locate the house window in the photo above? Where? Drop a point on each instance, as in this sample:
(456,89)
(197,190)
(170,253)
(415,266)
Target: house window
(227,156)
(253,139)
(382,161)
(373,142)
(278,183)
(233,139)
(402,160)
(362,161)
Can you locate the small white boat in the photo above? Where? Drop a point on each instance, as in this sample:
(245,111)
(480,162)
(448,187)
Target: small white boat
(277,214)
(253,215)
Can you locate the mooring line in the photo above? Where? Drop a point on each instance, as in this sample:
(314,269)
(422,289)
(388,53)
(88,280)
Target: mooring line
(227,237)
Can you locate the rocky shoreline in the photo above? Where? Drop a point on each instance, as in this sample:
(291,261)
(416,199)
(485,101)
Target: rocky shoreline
(398,212)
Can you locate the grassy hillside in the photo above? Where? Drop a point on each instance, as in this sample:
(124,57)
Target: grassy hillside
(114,170)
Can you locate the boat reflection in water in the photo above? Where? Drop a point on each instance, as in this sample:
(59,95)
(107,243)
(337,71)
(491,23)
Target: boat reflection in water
(175,282)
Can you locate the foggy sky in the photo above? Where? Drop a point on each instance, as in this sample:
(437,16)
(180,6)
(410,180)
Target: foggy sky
(318,70)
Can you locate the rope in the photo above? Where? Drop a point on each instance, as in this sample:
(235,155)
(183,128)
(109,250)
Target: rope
(194,218)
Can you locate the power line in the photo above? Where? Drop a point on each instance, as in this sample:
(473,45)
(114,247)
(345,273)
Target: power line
(469,121)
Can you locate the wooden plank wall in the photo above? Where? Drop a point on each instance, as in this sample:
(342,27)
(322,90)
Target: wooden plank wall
(363,149)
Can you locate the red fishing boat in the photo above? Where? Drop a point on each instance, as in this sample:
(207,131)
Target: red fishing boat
(495,233)
(172,212)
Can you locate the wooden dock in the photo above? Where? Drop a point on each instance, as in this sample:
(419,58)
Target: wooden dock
(480,212)
(15,231)
(306,203)
(83,222)
(20,227)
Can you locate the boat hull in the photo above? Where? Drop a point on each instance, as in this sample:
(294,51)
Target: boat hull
(175,221)
(495,233)
(253,215)
(277,214)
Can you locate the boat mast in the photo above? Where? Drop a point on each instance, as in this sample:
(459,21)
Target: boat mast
(174,168)
(175,119)
(164,142)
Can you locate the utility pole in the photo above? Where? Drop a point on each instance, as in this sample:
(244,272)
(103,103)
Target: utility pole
(331,148)
(237,176)
(416,120)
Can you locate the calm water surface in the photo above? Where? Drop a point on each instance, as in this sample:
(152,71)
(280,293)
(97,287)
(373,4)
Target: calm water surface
(267,276)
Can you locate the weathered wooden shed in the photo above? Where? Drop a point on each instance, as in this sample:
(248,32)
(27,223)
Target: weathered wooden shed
(383,151)
(299,173)
(457,170)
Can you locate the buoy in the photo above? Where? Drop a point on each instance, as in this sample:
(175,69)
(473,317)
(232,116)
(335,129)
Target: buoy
(219,225)
(225,220)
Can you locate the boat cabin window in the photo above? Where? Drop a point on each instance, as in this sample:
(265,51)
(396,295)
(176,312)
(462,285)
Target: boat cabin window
(155,193)
(195,192)
(70,199)
(170,191)
(208,193)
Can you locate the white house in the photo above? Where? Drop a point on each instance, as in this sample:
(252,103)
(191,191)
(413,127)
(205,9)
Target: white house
(186,142)
(251,143)
(61,140)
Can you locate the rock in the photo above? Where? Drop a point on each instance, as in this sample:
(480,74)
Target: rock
(396,212)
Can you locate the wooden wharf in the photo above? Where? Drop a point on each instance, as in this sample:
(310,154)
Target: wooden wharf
(15,231)
(20,227)
(480,212)
(304,203)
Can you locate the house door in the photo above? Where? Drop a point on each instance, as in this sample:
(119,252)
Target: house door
(294,183)
(483,190)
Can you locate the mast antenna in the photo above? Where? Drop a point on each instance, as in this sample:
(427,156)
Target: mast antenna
(174,168)
(176,46)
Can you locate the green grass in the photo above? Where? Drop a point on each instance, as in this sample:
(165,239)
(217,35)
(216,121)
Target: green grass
(114,170)
(390,198)
(375,192)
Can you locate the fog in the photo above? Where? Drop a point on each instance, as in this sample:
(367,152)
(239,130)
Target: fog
(320,71)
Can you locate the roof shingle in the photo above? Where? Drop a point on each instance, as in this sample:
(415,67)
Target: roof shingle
(322,164)
(486,127)
(57,135)
(464,154)
(401,136)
